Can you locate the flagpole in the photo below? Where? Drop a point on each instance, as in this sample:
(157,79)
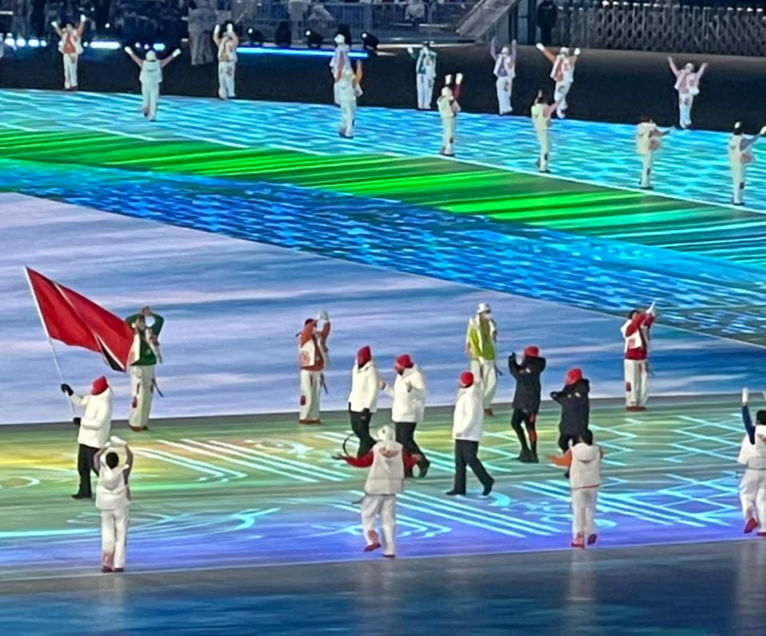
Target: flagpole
(47,335)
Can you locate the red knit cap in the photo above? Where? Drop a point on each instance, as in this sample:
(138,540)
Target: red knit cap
(531,352)
(573,376)
(466,379)
(99,386)
(363,356)
(404,362)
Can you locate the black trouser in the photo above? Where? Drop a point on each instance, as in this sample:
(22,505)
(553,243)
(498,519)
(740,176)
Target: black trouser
(519,417)
(405,435)
(565,439)
(546,33)
(467,454)
(85,456)
(360,424)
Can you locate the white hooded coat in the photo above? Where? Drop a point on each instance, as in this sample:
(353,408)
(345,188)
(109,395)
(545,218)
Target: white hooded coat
(386,475)
(96,423)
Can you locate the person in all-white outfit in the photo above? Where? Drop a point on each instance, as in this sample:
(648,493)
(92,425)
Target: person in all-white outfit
(425,74)
(448,110)
(95,428)
(349,90)
(505,72)
(562,73)
(227,60)
(583,461)
(752,486)
(541,113)
(388,462)
(113,499)
(70,47)
(740,156)
(340,59)
(467,431)
(648,142)
(687,86)
(151,79)
(366,385)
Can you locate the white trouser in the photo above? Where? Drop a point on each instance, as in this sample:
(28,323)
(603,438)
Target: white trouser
(685,103)
(647,162)
(142,392)
(425,87)
(114,533)
(347,117)
(560,93)
(636,382)
(70,71)
(150,91)
(311,392)
(226,79)
(583,513)
(385,506)
(738,175)
(488,374)
(336,92)
(752,494)
(504,87)
(544,141)
(449,125)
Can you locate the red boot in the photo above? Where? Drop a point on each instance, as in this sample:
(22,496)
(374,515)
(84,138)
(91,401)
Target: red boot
(751,525)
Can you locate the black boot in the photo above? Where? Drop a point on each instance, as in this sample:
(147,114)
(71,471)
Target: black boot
(424,466)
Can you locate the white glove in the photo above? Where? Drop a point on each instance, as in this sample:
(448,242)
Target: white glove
(54,24)
(323,315)
(116,441)
(217,29)
(230,28)
(177,52)
(763,131)
(409,50)
(448,80)
(651,311)
(577,51)
(127,49)
(459,79)
(83,17)
(745,396)
(540,47)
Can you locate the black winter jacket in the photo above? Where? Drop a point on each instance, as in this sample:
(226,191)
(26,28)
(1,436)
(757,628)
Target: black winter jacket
(575,407)
(527,376)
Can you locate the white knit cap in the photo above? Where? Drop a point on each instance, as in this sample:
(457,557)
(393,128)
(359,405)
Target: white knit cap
(483,308)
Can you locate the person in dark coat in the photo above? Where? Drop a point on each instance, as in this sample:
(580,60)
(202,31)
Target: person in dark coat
(575,408)
(526,400)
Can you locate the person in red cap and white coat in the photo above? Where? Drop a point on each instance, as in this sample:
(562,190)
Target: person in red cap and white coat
(467,431)
(409,407)
(95,428)
(583,463)
(314,359)
(388,462)
(635,331)
(366,384)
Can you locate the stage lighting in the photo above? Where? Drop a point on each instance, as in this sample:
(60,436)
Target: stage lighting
(314,40)
(370,42)
(345,31)
(282,36)
(255,37)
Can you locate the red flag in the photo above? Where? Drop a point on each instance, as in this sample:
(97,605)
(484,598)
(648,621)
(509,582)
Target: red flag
(74,320)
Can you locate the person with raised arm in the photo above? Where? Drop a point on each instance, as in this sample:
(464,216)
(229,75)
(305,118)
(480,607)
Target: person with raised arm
(505,72)
(687,86)
(151,79)
(70,47)
(562,73)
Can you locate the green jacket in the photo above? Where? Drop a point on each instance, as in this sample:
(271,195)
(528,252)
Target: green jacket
(146,356)
(480,339)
